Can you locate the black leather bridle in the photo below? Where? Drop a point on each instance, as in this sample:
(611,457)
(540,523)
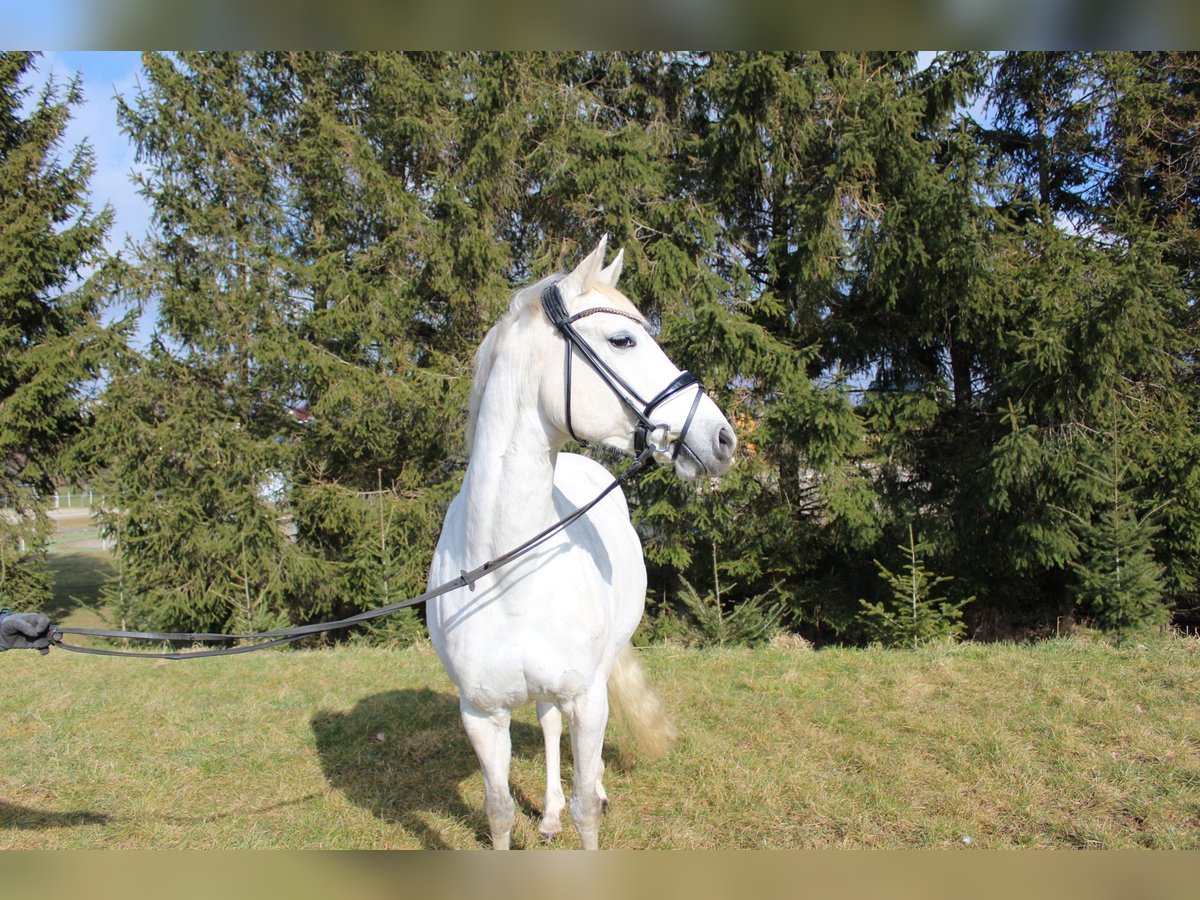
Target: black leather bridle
(552,303)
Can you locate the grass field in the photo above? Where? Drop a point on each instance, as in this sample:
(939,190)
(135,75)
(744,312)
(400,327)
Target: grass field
(1061,744)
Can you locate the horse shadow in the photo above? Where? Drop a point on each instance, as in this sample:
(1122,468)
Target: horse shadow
(26,818)
(403,755)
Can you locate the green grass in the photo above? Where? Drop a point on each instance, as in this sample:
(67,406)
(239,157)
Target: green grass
(78,577)
(1061,744)
(79,568)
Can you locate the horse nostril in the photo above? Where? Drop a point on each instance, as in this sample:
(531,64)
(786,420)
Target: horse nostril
(724,443)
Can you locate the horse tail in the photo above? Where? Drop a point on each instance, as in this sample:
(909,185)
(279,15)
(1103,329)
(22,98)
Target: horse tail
(639,712)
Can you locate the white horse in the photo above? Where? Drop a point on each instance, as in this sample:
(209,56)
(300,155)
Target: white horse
(555,624)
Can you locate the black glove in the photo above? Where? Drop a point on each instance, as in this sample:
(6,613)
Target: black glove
(25,631)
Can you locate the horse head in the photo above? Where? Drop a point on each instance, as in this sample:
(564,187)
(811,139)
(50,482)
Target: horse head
(616,386)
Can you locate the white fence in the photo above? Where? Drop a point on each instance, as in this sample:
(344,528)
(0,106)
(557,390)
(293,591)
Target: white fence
(63,499)
(73,499)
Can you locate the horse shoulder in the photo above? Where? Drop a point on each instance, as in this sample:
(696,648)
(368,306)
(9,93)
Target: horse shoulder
(608,536)
(449,549)
(580,479)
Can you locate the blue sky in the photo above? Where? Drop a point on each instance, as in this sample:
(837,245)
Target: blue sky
(104,74)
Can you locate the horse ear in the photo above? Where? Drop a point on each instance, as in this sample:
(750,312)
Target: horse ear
(588,270)
(610,273)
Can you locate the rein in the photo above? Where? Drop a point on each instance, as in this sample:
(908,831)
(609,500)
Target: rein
(644,448)
(267,639)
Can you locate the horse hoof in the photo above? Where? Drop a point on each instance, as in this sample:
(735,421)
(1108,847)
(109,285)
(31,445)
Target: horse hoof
(549,837)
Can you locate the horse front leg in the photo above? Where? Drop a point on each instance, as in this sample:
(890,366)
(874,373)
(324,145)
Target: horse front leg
(551,721)
(588,717)
(489,735)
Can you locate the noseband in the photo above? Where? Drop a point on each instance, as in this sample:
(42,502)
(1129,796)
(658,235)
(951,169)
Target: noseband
(552,303)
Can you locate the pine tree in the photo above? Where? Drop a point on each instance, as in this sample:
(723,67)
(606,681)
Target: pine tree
(1048,108)
(51,342)
(335,235)
(197,431)
(1152,198)
(840,201)
(1120,584)
(907,315)
(748,624)
(914,613)
(381,352)
(1096,359)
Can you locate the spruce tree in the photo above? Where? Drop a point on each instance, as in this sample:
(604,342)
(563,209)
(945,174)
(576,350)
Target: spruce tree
(51,344)
(907,315)
(197,431)
(1152,199)
(914,612)
(334,239)
(1120,584)
(841,204)
(1096,359)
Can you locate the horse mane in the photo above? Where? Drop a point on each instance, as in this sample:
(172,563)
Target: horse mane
(489,350)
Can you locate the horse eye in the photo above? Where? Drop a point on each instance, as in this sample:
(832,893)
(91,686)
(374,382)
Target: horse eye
(623,341)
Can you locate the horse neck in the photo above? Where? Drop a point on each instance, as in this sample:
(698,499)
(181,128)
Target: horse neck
(509,483)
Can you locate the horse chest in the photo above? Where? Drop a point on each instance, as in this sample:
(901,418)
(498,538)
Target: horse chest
(541,630)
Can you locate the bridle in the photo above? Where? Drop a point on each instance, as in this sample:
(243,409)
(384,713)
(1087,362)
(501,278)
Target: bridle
(644,432)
